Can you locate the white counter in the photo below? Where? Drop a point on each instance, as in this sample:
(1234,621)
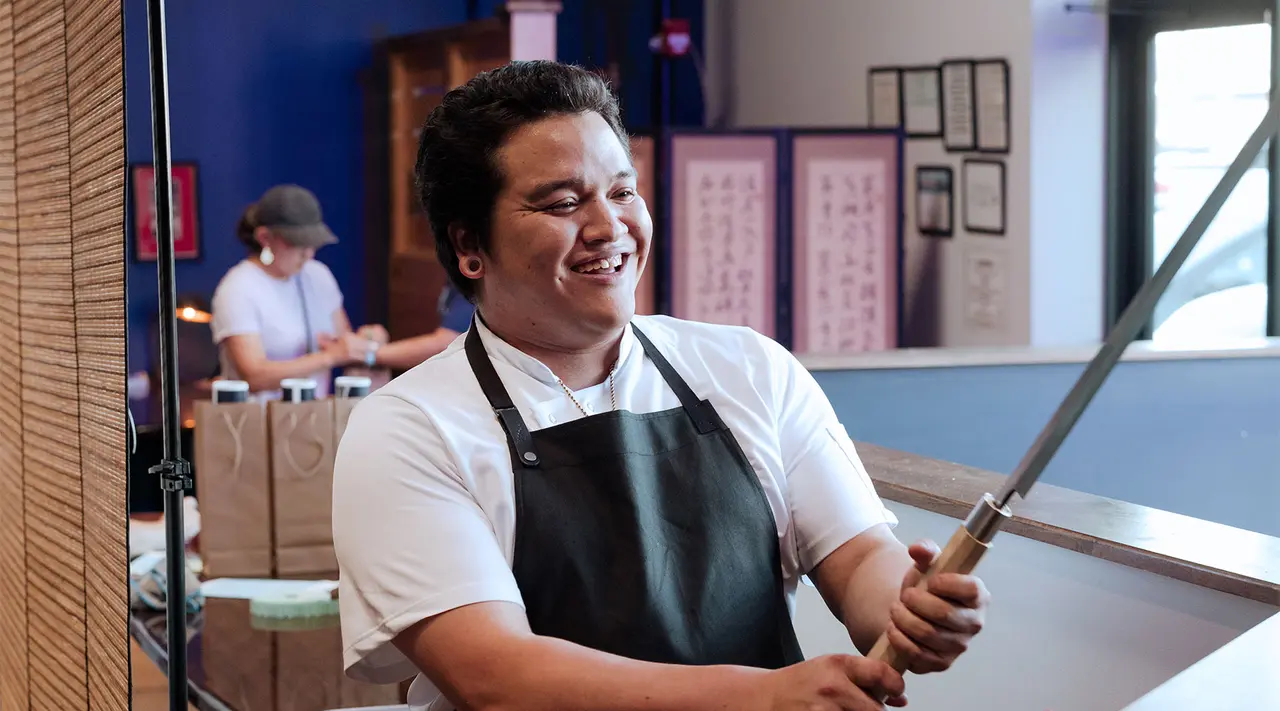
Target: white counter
(1065,630)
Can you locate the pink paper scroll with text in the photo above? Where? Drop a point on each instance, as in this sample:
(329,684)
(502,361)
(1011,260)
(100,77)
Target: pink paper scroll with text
(846,241)
(723,229)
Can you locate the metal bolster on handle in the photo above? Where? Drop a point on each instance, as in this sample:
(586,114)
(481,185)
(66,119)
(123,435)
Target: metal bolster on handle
(175,474)
(986,518)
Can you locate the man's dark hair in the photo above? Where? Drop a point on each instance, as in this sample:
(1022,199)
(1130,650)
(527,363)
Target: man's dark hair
(457,173)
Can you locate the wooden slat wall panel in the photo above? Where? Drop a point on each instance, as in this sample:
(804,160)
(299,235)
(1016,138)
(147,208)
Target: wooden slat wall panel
(95,72)
(14,681)
(58,663)
(63,520)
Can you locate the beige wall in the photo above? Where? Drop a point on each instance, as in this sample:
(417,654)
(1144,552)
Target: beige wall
(806,64)
(63,547)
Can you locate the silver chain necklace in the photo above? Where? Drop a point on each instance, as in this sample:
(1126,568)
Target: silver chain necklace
(613,393)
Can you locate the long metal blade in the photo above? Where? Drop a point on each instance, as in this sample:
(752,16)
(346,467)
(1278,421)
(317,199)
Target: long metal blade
(1135,315)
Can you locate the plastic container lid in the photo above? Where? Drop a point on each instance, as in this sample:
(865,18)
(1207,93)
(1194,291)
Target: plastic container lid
(312,603)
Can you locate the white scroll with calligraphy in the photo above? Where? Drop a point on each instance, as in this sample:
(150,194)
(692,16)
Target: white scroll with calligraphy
(846,222)
(845,251)
(729,253)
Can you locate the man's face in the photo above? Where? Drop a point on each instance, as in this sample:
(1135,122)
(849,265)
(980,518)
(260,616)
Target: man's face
(569,234)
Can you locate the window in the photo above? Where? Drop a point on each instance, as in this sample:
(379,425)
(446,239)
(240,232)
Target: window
(1188,89)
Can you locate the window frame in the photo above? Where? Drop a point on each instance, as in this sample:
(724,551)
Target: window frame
(1131,143)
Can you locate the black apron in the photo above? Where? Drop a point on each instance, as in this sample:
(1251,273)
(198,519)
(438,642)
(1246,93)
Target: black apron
(645,536)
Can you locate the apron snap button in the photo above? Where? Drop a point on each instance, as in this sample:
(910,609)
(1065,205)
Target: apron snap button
(530,456)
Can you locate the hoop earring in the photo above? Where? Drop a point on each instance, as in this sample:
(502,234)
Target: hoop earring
(266,256)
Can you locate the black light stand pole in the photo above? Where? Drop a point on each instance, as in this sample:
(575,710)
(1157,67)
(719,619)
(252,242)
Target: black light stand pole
(174,471)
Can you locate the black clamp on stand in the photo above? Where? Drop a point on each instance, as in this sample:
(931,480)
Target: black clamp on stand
(175,475)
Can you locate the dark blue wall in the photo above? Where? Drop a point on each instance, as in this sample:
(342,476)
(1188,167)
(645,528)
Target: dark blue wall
(266,91)
(1197,437)
(583,38)
(262,92)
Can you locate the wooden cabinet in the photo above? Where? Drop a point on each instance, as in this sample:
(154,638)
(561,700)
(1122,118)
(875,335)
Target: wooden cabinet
(642,155)
(410,77)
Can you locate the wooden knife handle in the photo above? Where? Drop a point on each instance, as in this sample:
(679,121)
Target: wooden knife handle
(961,556)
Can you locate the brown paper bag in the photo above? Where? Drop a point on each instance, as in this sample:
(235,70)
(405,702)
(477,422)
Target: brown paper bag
(238,659)
(309,669)
(355,694)
(302,486)
(309,673)
(234,486)
(342,408)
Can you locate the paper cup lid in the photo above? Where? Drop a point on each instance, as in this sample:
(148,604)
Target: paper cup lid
(352,381)
(231,386)
(298,384)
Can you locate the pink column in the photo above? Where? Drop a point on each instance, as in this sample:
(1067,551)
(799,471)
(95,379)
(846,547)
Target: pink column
(533,28)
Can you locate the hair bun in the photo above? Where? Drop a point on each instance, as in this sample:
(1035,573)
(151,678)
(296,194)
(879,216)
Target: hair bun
(247,226)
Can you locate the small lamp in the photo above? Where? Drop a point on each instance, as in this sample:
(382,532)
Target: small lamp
(192,309)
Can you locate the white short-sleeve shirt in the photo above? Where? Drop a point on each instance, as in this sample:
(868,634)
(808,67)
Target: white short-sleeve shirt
(248,300)
(423,498)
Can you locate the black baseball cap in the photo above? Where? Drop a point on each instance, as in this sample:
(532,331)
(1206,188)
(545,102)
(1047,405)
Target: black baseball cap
(293,213)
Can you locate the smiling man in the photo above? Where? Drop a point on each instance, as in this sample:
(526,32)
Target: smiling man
(574,507)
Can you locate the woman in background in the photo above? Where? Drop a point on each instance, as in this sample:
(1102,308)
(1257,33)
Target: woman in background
(278,314)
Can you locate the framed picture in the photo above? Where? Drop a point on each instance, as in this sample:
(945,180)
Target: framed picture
(958,130)
(935,211)
(723,225)
(991,104)
(847,248)
(986,292)
(884,97)
(984,196)
(922,102)
(186,212)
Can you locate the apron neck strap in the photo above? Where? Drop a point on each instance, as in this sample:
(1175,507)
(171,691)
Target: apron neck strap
(697,409)
(523,453)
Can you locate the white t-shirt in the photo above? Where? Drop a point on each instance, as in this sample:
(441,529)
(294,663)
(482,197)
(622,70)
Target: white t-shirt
(423,496)
(248,300)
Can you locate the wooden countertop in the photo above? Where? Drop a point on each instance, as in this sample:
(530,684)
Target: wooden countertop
(971,357)
(1241,675)
(1200,552)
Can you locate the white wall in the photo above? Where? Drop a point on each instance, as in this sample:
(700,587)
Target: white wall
(1065,631)
(1068,174)
(804,63)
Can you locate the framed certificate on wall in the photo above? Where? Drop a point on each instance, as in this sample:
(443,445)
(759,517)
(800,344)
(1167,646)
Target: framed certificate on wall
(922,102)
(186,212)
